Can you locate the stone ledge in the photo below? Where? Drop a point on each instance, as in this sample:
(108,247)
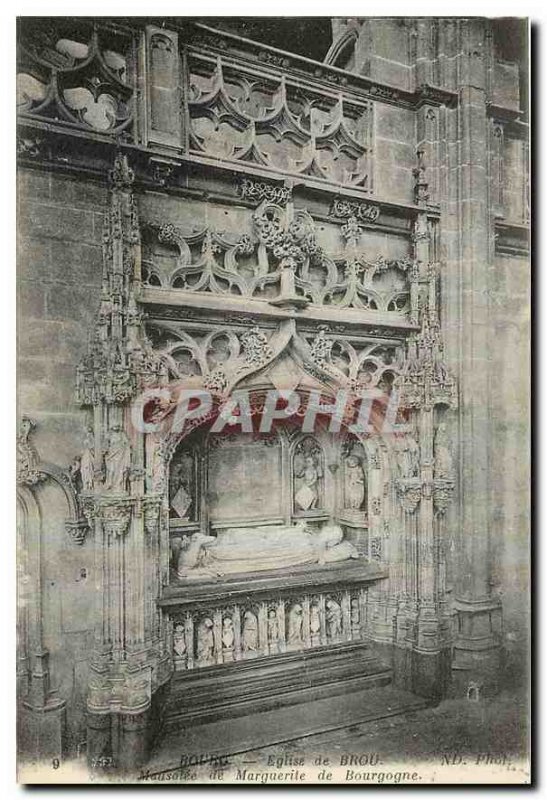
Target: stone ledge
(183,593)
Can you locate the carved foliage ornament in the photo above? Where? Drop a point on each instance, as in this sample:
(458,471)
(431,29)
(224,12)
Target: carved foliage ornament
(256,349)
(115,515)
(28,460)
(260,191)
(283,255)
(366,212)
(410,494)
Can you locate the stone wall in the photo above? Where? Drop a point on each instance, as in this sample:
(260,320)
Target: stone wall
(59,277)
(60,222)
(510,462)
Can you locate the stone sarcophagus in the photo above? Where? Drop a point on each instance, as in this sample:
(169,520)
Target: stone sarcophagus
(243,644)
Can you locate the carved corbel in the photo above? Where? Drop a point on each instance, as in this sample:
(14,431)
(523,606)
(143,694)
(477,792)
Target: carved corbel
(31,147)
(410,494)
(118,692)
(443,491)
(115,515)
(163,170)
(77,529)
(151,513)
(376,506)
(374,460)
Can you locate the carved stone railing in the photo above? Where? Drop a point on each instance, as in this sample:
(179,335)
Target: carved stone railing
(281,262)
(74,73)
(263,116)
(260,616)
(84,75)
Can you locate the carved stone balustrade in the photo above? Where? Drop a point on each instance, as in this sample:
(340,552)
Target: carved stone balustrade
(263,116)
(262,615)
(268,639)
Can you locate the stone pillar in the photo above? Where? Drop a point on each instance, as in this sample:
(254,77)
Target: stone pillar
(41,712)
(427,389)
(161,89)
(124,507)
(467,246)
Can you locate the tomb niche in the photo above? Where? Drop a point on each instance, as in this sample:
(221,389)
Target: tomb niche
(246,503)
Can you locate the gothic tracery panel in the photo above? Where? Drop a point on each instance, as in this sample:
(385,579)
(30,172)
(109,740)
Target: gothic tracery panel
(66,72)
(263,119)
(253,264)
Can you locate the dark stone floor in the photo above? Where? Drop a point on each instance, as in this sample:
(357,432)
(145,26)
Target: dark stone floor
(491,733)
(498,725)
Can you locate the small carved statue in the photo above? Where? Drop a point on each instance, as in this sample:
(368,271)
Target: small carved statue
(443,468)
(250,632)
(227,634)
(206,641)
(334,619)
(273,629)
(117,461)
(295,625)
(307,496)
(179,642)
(355,483)
(414,457)
(408,457)
(355,617)
(315,624)
(87,462)
(157,469)
(75,473)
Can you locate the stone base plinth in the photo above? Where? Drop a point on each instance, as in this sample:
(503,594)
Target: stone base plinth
(41,734)
(477,654)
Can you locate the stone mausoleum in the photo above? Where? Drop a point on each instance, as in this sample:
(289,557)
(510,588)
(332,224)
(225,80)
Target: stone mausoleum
(310,206)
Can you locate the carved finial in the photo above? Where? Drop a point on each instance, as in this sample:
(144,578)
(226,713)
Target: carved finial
(256,348)
(321,348)
(351,231)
